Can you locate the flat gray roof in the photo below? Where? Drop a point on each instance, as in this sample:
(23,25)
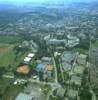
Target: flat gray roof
(23,96)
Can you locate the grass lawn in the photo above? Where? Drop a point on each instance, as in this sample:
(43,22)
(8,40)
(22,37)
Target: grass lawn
(4,83)
(95,44)
(9,39)
(12,92)
(84,51)
(54,98)
(7,56)
(8,91)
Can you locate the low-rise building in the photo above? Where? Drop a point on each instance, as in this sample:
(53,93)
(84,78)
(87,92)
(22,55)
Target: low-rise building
(94,66)
(67,60)
(68,57)
(56,42)
(66,67)
(27,59)
(31,55)
(25,43)
(57,54)
(81,59)
(35,91)
(46,69)
(46,38)
(23,96)
(78,70)
(47,60)
(40,68)
(34,45)
(76,80)
(61,92)
(72,94)
(72,41)
(49,67)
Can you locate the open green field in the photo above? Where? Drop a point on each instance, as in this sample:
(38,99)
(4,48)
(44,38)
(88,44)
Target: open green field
(95,44)
(9,39)
(8,91)
(12,92)
(7,52)
(4,84)
(55,98)
(84,51)
(8,55)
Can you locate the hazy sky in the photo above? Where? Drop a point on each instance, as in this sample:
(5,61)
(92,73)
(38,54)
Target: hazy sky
(39,1)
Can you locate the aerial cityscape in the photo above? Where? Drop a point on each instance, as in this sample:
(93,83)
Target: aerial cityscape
(49,50)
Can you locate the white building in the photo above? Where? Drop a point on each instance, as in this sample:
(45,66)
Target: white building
(72,41)
(31,55)
(27,59)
